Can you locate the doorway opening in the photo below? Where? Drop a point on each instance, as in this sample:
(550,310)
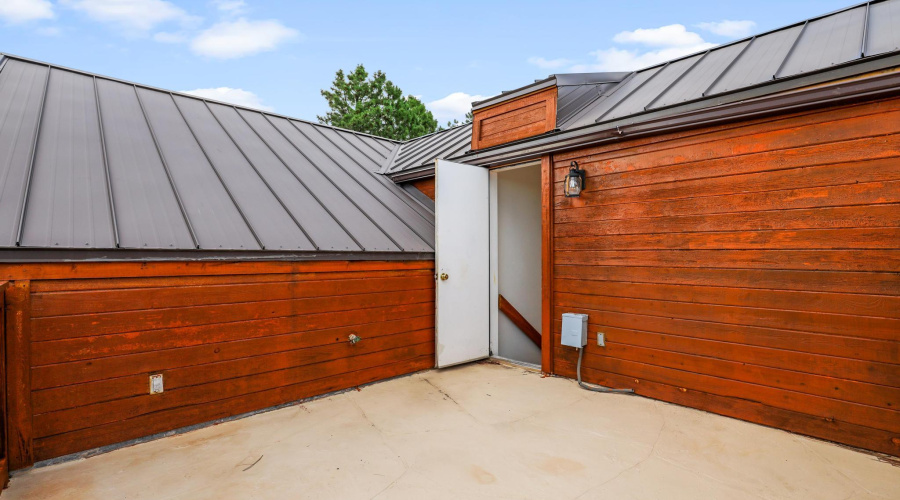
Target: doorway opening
(516,263)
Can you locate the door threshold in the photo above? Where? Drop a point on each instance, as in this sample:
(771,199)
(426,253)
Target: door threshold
(518,364)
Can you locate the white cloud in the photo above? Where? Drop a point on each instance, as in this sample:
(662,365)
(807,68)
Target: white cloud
(673,35)
(20,11)
(614,59)
(656,45)
(454,106)
(731,29)
(540,62)
(141,15)
(232,39)
(231,7)
(240,97)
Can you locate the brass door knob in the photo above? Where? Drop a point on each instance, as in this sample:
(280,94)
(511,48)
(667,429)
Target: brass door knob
(444,276)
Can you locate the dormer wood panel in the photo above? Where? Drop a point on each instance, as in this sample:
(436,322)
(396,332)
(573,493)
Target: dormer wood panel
(509,121)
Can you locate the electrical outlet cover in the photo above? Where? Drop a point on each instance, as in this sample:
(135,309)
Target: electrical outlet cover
(601,339)
(156,383)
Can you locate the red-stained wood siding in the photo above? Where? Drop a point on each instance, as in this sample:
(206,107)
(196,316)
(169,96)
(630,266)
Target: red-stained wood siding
(516,119)
(226,343)
(752,270)
(4,458)
(426,186)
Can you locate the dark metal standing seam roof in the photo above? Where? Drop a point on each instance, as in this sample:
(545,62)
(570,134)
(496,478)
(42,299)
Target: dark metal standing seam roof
(420,153)
(89,162)
(841,37)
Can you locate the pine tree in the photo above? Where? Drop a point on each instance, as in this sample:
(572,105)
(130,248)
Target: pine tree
(375,106)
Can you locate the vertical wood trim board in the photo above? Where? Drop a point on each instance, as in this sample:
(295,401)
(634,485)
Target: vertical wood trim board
(547,312)
(18,372)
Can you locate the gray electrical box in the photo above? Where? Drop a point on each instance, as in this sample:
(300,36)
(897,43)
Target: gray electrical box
(574,330)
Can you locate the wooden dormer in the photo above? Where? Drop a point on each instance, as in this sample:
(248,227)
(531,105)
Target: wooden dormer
(526,116)
(537,108)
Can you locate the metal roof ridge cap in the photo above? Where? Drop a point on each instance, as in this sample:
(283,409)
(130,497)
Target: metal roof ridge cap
(182,94)
(516,92)
(780,28)
(588,130)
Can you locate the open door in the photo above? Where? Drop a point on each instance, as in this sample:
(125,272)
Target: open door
(462,263)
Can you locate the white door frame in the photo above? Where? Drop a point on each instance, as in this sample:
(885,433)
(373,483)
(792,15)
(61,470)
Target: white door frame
(495,254)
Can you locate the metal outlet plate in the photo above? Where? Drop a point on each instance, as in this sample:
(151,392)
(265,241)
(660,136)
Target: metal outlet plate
(156,383)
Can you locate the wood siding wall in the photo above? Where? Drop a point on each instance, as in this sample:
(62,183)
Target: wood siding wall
(426,186)
(750,270)
(227,341)
(523,117)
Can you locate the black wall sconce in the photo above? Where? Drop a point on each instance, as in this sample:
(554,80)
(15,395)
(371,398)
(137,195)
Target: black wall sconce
(574,181)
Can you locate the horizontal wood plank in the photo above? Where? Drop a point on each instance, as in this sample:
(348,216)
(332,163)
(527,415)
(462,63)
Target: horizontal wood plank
(751,269)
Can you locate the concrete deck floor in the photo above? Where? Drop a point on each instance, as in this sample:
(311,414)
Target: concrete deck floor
(476,431)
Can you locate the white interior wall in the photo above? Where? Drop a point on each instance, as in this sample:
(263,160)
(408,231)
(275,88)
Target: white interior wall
(519,258)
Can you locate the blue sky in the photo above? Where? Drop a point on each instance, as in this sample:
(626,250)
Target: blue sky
(278,55)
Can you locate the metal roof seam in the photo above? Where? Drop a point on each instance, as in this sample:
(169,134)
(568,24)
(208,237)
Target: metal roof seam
(310,191)
(237,206)
(862,42)
(109,188)
(413,148)
(350,199)
(462,136)
(435,145)
(730,65)
(388,164)
(675,81)
(635,89)
(263,179)
(790,51)
(451,143)
(378,198)
(34,144)
(379,178)
(575,115)
(561,119)
(294,174)
(165,165)
(354,146)
(382,155)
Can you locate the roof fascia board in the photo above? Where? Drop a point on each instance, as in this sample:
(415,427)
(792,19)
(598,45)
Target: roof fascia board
(20,255)
(869,88)
(413,174)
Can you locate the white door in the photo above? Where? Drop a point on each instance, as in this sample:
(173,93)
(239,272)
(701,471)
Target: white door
(462,263)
